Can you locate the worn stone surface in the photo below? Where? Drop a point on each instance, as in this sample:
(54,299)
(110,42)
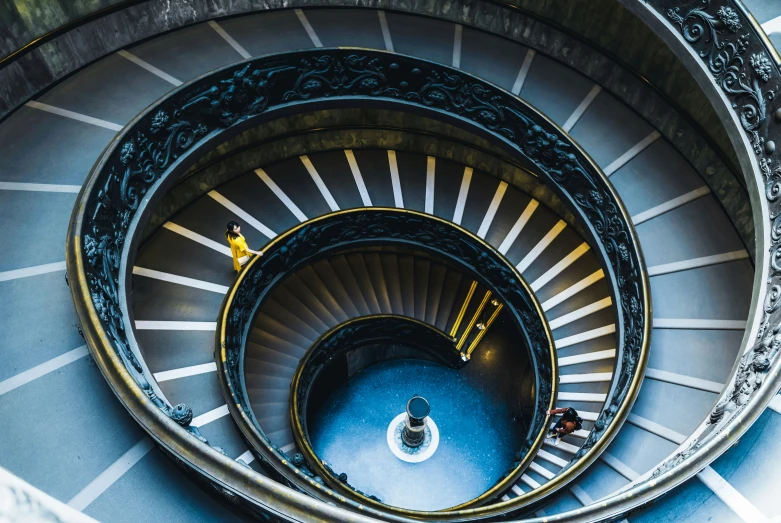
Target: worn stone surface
(348,129)
(24,21)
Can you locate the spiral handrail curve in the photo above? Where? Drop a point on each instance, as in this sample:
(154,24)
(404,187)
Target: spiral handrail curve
(318,238)
(140,163)
(350,335)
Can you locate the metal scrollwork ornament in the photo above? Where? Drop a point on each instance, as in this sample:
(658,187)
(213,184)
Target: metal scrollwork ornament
(346,230)
(145,153)
(740,65)
(752,369)
(720,42)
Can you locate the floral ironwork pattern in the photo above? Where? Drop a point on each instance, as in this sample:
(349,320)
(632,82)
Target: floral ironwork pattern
(721,41)
(329,76)
(145,153)
(738,61)
(378,226)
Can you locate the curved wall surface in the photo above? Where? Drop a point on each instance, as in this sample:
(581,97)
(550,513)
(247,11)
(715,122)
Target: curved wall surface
(24,22)
(676,189)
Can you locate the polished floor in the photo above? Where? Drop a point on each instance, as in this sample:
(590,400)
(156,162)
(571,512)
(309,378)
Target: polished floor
(478,436)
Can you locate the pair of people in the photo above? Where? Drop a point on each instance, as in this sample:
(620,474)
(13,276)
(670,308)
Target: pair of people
(239,249)
(567,424)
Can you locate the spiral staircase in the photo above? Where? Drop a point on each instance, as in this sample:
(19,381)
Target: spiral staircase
(694,194)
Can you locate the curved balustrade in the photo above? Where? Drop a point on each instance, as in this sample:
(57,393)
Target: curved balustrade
(331,233)
(146,157)
(733,60)
(731,57)
(353,335)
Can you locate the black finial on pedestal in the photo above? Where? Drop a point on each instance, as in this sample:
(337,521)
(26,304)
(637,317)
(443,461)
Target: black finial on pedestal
(414,431)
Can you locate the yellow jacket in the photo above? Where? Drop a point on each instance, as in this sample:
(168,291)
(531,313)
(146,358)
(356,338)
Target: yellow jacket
(239,249)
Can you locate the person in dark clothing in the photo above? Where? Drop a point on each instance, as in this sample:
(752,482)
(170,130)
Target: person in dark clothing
(567,424)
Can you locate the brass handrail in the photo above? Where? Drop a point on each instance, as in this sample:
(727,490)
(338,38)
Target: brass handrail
(141,161)
(479,337)
(442,343)
(464,307)
(230,347)
(472,322)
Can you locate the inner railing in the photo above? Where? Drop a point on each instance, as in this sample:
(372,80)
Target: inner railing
(370,227)
(145,159)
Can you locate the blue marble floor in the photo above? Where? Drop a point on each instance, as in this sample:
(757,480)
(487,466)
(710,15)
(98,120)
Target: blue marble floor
(478,437)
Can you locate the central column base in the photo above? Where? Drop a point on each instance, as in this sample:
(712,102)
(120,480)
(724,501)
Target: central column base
(418,409)
(412,454)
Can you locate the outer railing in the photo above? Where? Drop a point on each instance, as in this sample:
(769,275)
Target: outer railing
(65,28)
(144,159)
(355,228)
(731,57)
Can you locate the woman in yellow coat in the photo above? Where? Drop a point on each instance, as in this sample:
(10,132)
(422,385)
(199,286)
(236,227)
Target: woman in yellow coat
(239,250)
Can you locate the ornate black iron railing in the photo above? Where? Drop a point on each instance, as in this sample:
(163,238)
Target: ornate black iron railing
(731,57)
(145,158)
(328,234)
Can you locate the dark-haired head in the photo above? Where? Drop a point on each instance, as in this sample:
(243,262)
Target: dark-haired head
(230,231)
(578,423)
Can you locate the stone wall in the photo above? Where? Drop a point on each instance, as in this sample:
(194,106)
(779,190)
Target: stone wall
(25,20)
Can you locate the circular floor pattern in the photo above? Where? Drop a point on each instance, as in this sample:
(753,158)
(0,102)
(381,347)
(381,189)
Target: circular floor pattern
(408,454)
(475,449)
